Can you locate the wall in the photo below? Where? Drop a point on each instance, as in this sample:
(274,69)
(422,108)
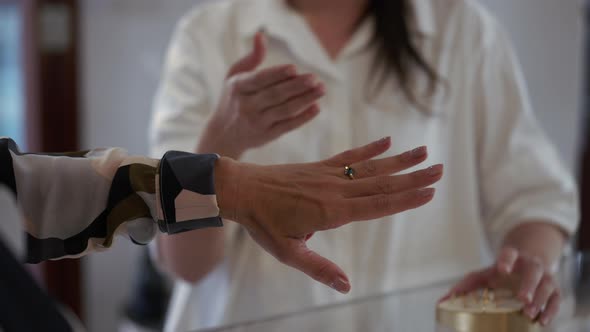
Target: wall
(122,47)
(123,42)
(547,38)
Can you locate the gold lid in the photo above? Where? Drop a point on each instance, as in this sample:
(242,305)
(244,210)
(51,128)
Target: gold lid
(484,311)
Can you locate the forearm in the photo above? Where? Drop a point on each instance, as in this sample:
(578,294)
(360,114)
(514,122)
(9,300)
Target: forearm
(74,203)
(538,239)
(214,140)
(192,255)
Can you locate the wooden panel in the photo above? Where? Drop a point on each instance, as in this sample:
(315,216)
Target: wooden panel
(58,70)
(51,76)
(32,79)
(584,239)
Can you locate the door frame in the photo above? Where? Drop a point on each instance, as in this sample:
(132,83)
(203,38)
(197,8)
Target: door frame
(51,100)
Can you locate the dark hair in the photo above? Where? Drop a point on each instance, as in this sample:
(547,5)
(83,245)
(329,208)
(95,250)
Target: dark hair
(397,51)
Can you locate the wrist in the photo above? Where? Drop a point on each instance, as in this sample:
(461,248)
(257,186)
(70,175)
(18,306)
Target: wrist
(537,239)
(226,178)
(207,145)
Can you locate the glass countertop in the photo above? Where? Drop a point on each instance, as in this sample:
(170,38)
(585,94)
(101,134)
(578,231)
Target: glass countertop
(403,310)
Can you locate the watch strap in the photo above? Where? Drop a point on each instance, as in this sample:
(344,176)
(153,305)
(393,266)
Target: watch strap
(187,199)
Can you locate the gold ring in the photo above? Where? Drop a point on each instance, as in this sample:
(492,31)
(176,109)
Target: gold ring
(349,171)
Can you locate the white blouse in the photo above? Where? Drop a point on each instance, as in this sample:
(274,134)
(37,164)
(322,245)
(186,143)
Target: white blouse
(500,169)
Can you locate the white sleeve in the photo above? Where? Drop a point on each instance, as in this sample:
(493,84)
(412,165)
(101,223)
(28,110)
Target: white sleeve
(182,104)
(523,178)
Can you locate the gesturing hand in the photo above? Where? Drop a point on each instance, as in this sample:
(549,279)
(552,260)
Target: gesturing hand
(258,106)
(526,276)
(282,205)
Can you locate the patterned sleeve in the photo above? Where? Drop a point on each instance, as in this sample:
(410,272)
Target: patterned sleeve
(74,203)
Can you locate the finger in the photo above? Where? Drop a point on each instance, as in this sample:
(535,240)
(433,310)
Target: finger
(377,206)
(506,260)
(368,151)
(551,310)
(546,287)
(286,126)
(474,281)
(445,297)
(253,82)
(390,165)
(293,107)
(318,268)
(253,59)
(282,91)
(388,185)
(531,272)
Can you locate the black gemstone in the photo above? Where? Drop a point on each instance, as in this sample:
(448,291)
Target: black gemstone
(349,171)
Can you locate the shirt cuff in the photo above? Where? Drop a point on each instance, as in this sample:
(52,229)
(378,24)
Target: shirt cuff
(185,190)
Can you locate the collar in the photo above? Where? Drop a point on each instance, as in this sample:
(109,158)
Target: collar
(265,15)
(424,17)
(282,23)
(277,20)
(270,14)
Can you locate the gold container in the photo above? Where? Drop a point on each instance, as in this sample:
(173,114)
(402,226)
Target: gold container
(481,312)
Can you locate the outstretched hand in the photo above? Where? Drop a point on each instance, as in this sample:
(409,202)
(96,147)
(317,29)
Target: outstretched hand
(281,206)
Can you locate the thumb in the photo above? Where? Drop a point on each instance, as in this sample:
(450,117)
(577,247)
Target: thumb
(252,59)
(319,268)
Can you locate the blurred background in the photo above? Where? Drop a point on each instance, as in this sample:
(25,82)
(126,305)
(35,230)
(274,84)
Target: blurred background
(77,74)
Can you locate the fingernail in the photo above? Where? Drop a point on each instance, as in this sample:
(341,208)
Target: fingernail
(527,297)
(418,152)
(341,285)
(384,140)
(427,192)
(434,170)
(290,71)
(544,321)
(505,268)
(532,312)
(319,88)
(446,297)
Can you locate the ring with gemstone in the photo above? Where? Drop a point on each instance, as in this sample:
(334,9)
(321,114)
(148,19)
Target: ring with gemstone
(349,171)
